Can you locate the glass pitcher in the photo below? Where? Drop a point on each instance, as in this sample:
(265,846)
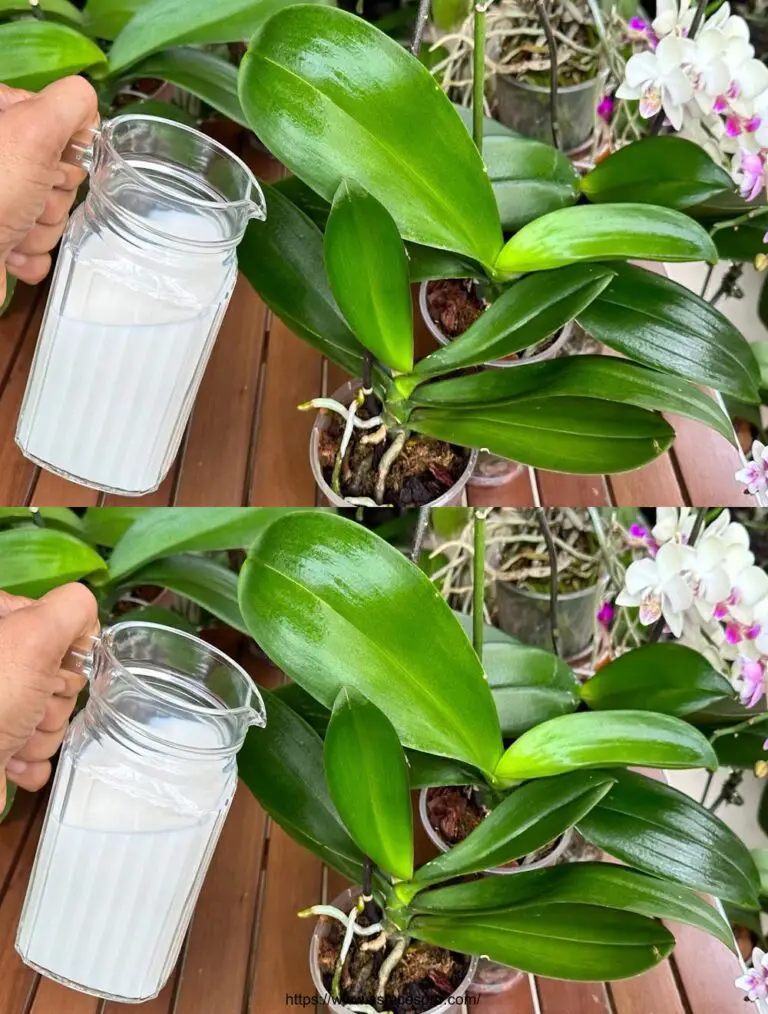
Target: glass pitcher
(145,272)
(145,779)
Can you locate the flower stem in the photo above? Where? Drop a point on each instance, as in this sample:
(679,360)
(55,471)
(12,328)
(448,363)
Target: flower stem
(422,523)
(420,27)
(543,17)
(541,517)
(480,516)
(478,75)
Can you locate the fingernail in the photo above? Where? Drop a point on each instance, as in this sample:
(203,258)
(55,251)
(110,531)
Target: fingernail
(16,260)
(15,766)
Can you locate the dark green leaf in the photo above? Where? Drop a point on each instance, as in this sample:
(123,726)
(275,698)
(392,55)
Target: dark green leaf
(602,884)
(762,812)
(282,258)
(202,74)
(156,614)
(425,263)
(655,321)
(427,770)
(197,578)
(590,232)
(579,435)
(743,242)
(655,828)
(156,107)
(669,172)
(524,314)
(367,778)
(567,941)
(334,605)
(34,560)
(33,53)
(742,749)
(667,678)
(305,199)
(312,711)
(368,273)
(529,818)
(528,685)
(282,765)
(529,179)
(606,378)
(333,98)
(593,740)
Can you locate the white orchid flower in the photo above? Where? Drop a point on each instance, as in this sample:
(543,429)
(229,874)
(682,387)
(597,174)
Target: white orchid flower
(671,19)
(660,587)
(660,79)
(673,524)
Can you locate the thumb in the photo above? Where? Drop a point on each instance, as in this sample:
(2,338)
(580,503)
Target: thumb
(40,126)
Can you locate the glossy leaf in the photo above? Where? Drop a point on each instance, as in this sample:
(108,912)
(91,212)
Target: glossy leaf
(525,313)
(742,749)
(368,273)
(529,179)
(334,98)
(603,884)
(282,258)
(205,75)
(425,263)
(590,232)
(593,740)
(105,19)
(313,205)
(742,242)
(33,53)
(427,770)
(667,678)
(334,605)
(162,23)
(527,819)
(33,560)
(568,941)
(606,378)
(282,766)
(580,435)
(105,526)
(199,579)
(368,781)
(62,518)
(58,9)
(312,711)
(529,686)
(655,321)
(655,828)
(670,172)
(167,530)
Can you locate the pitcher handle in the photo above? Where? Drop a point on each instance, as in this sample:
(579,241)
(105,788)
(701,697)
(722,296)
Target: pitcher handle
(81,148)
(79,659)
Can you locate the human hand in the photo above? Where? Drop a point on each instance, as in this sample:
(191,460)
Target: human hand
(36,695)
(37,190)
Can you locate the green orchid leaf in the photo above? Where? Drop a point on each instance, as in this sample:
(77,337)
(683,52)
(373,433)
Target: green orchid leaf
(334,98)
(661,831)
(589,739)
(591,232)
(10,795)
(163,23)
(606,378)
(305,199)
(667,678)
(62,518)
(568,941)
(367,777)
(602,884)
(741,242)
(529,179)
(529,686)
(164,531)
(427,770)
(742,749)
(34,560)
(105,526)
(282,258)
(156,614)
(202,74)
(581,435)
(105,19)
(157,107)
(199,579)
(426,263)
(669,172)
(282,766)
(10,288)
(334,605)
(34,53)
(491,127)
(58,9)
(655,321)
(527,819)
(305,705)
(368,273)
(525,313)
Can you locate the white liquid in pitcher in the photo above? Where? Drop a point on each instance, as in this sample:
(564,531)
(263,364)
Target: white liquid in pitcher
(121,353)
(120,866)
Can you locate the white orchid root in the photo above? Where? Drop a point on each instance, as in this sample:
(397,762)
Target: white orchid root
(390,963)
(345,439)
(346,944)
(335,406)
(351,929)
(387,461)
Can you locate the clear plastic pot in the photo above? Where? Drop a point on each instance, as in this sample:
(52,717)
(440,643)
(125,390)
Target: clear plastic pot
(491,976)
(453,497)
(345,901)
(525,108)
(525,615)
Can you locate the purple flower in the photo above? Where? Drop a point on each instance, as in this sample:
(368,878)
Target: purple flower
(638,532)
(732,126)
(605,108)
(638,24)
(754,475)
(720,104)
(720,611)
(605,614)
(733,633)
(755,982)
(752,124)
(750,681)
(752,176)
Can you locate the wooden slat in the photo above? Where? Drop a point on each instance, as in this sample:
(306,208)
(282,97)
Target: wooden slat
(215,455)
(654,992)
(281,474)
(15,829)
(517,1000)
(654,485)
(557,997)
(281,966)
(17,473)
(13,325)
(216,965)
(707,971)
(162,1004)
(16,980)
(560,490)
(515,493)
(162,496)
(708,463)
(53,491)
(51,998)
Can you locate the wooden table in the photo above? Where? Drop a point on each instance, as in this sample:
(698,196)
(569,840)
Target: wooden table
(247,445)
(246,951)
